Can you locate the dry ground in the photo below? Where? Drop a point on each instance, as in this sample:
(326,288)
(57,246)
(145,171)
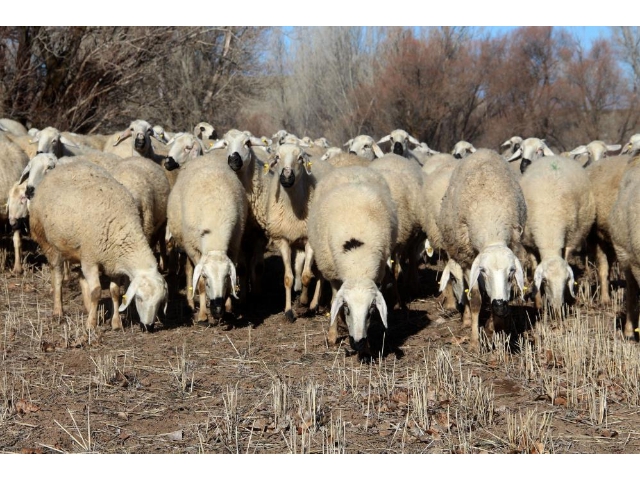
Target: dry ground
(267,386)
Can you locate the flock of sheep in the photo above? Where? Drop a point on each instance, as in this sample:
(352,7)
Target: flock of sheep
(126,205)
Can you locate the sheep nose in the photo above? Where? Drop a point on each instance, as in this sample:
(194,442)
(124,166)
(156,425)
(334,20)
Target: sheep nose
(29,192)
(397,148)
(287,180)
(171,164)
(360,346)
(499,307)
(216,306)
(524,164)
(235,162)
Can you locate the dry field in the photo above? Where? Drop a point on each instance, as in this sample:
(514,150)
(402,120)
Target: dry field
(266,386)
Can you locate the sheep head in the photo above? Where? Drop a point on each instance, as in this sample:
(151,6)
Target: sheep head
(288,162)
(633,146)
(556,275)
(399,142)
(50,140)
(150,291)
(512,144)
(219,275)
(365,147)
(205,131)
(184,147)
(17,205)
(141,131)
(495,268)
(596,150)
(462,149)
(530,149)
(238,149)
(330,153)
(160,134)
(358,299)
(35,171)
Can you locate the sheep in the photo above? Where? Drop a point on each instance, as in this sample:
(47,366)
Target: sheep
(529,150)
(423,153)
(82,214)
(182,148)
(12,126)
(161,135)
(18,213)
(399,142)
(462,149)
(438,160)
(595,151)
(633,145)
(351,246)
(135,140)
(347,160)
(623,221)
(322,142)
(50,140)
(95,142)
(405,182)
(207,211)
(481,219)
(560,212)
(365,147)
(330,153)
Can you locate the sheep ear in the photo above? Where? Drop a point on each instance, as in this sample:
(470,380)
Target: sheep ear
(197,271)
(68,142)
(385,139)
(413,140)
(222,143)
(446,273)
(475,272)
(377,151)
(25,173)
(516,155)
(122,136)
(582,149)
(506,144)
(232,276)
(546,150)
(381,305)
(336,305)
(170,142)
(129,295)
(348,143)
(538,276)
(519,276)
(472,149)
(613,148)
(571,281)
(428,248)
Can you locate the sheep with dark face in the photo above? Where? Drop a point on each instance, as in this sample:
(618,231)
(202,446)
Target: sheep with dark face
(511,146)
(205,131)
(462,149)
(399,143)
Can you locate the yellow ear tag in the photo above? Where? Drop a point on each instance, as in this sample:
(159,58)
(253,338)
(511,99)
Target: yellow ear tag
(190,288)
(237,288)
(525,288)
(575,283)
(264,140)
(124,298)
(327,314)
(392,262)
(210,145)
(430,251)
(466,290)
(266,167)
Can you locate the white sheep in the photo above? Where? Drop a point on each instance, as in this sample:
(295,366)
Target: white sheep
(399,143)
(50,140)
(462,149)
(18,212)
(436,161)
(330,153)
(135,140)
(511,146)
(529,150)
(12,126)
(632,147)
(82,214)
(595,151)
(205,131)
(560,212)
(481,219)
(352,245)
(207,212)
(365,147)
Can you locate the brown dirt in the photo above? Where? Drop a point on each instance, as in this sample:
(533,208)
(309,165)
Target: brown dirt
(268,386)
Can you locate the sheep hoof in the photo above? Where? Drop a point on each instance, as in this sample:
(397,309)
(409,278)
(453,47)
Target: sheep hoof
(290,316)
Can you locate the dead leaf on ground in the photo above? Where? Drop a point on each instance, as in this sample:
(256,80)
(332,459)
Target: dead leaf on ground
(26,450)
(47,347)
(23,406)
(400,397)
(123,436)
(560,401)
(537,448)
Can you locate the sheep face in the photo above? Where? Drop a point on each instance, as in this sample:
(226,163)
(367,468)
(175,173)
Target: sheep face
(399,142)
(288,162)
(205,131)
(512,144)
(495,268)
(556,275)
(35,171)
(530,149)
(160,134)
(150,291)
(321,142)
(358,299)
(219,278)
(365,147)
(596,150)
(183,148)
(239,150)
(633,147)
(462,149)
(141,131)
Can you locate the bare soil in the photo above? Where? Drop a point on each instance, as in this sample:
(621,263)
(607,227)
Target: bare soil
(264,385)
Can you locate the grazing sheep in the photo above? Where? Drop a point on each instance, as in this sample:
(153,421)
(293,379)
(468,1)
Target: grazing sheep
(462,149)
(82,214)
(595,151)
(365,147)
(13,127)
(529,150)
(605,177)
(481,219)
(406,183)
(560,212)
(351,246)
(207,212)
(12,161)
(134,141)
(625,235)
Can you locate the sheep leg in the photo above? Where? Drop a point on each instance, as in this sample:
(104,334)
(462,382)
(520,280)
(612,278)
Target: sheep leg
(448,299)
(602,265)
(285,252)
(631,296)
(316,296)
(475,304)
(56,264)
(188,273)
(397,270)
(332,334)
(307,274)
(162,247)
(114,289)
(17,249)
(93,290)
(66,271)
(202,306)
(298,266)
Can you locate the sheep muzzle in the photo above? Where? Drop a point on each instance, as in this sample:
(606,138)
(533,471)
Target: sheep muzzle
(171,164)
(499,307)
(361,346)
(216,306)
(29,192)
(287,180)
(235,162)
(524,163)
(140,142)
(397,149)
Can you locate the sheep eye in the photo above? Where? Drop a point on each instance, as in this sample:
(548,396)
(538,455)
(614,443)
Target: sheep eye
(277,158)
(367,146)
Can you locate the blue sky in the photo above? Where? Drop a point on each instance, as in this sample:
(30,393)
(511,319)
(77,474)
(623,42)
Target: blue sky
(586,34)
